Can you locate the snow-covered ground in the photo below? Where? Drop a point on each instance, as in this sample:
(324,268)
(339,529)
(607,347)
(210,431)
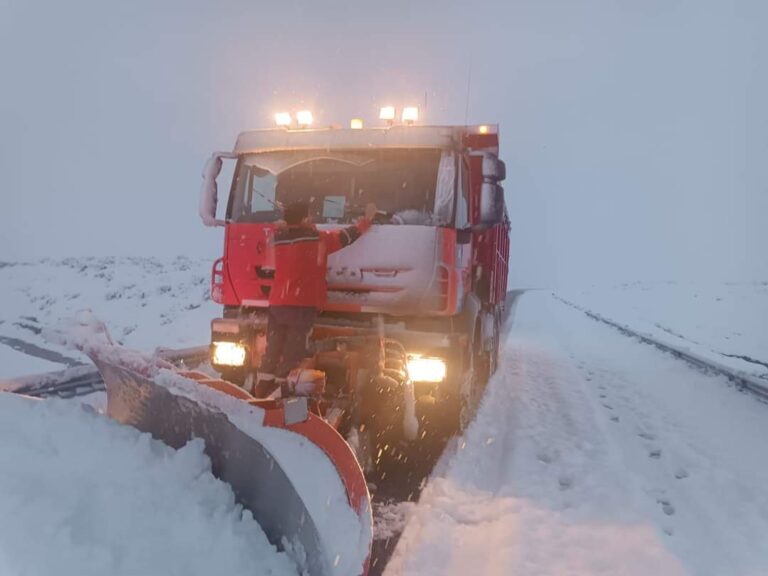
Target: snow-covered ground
(102,498)
(594,454)
(81,495)
(145,302)
(727,322)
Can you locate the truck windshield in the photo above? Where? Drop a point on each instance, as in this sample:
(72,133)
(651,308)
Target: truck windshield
(338,185)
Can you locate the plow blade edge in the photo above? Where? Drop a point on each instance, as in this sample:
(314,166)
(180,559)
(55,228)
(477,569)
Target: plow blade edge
(259,484)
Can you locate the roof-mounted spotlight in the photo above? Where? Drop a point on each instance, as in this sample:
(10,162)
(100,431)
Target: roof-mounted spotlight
(387,113)
(410,115)
(283,119)
(304,118)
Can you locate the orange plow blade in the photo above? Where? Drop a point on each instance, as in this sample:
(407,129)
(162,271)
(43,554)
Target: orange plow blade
(288,467)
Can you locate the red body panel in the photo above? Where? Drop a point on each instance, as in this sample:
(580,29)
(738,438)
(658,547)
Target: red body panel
(243,277)
(491,247)
(248,262)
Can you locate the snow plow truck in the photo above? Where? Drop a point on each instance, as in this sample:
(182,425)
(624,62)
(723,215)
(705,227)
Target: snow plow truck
(401,349)
(409,332)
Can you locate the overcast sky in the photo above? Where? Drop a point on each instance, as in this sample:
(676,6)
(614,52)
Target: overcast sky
(635,131)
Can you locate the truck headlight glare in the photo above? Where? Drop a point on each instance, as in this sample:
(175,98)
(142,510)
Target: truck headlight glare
(228,354)
(426,369)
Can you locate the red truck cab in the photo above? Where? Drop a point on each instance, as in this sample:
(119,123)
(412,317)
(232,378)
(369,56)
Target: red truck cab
(432,271)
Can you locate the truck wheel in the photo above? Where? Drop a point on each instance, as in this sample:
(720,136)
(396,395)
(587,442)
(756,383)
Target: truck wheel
(494,352)
(465,406)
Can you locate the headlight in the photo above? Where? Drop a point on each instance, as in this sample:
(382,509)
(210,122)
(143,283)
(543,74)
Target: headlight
(228,354)
(423,369)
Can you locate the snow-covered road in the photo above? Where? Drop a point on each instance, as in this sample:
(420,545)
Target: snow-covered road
(594,454)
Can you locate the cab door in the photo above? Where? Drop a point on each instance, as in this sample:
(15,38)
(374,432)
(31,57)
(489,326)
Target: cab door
(463,223)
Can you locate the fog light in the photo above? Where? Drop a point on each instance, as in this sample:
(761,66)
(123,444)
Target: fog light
(424,369)
(228,354)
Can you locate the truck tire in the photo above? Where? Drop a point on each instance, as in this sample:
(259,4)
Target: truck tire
(464,405)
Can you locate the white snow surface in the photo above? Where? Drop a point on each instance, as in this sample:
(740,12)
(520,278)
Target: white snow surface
(172,294)
(82,495)
(145,303)
(593,454)
(719,321)
(14,363)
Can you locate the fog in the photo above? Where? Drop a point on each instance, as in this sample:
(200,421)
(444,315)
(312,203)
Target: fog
(635,132)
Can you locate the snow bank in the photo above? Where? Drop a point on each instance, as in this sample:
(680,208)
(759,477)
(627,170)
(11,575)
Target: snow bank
(593,454)
(146,302)
(724,322)
(344,535)
(80,495)
(14,363)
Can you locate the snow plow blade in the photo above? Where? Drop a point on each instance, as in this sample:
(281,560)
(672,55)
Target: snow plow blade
(258,480)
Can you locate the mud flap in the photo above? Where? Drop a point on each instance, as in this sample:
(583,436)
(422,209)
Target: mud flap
(259,484)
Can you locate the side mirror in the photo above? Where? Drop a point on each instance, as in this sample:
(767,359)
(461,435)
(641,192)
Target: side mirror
(209,191)
(493,168)
(491,204)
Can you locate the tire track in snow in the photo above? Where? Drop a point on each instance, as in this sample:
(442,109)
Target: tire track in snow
(686,442)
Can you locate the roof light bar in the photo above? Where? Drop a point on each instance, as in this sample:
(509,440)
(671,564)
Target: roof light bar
(410,114)
(387,113)
(484,129)
(304,118)
(283,119)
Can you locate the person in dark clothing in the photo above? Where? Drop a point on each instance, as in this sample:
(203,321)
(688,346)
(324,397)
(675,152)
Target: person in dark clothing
(299,289)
